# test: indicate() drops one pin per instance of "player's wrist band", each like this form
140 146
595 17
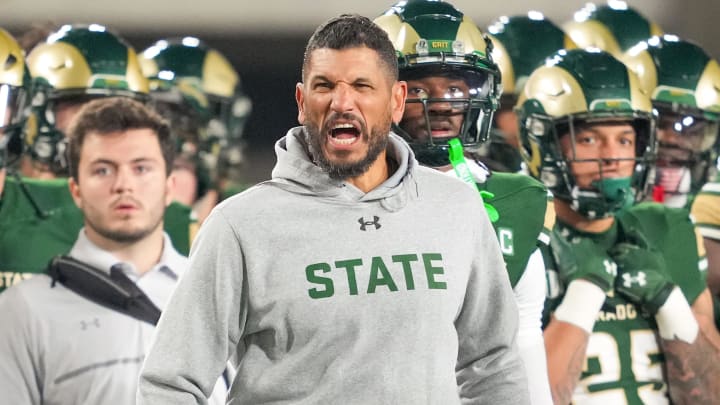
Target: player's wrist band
675 318
581 304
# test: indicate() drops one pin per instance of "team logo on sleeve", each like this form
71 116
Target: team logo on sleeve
505 237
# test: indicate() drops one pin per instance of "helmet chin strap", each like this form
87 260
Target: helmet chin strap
616 190
609 196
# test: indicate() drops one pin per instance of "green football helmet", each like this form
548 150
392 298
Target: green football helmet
14 82
200 92
75 64
574 89
614 27
435 40
520 44
683 82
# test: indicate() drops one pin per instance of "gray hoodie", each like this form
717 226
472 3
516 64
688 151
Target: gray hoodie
329 295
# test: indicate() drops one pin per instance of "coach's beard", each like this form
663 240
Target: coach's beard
377 143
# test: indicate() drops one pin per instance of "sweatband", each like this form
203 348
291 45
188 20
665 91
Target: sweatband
676 320
581 304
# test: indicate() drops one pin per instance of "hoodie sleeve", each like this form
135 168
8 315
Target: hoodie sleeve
202 323
20 334
489 368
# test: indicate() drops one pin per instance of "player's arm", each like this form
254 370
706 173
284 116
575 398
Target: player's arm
687 335
565 345
706 215
693 369
568 332
712 251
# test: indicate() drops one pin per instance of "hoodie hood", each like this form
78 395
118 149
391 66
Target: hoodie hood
297 173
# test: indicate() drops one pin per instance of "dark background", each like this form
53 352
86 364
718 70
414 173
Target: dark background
269 73
265 40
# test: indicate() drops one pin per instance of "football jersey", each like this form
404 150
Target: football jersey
706 210
524 219
623 362
39 220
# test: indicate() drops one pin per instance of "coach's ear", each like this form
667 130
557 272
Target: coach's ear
397 102
300 99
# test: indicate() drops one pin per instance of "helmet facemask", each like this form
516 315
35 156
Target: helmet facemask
454 83
607 194
185 121
687 139
446 101
75 64
48 145
207 86
12 115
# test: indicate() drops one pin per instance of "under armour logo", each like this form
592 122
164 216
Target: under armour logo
84 325
364 223
640 279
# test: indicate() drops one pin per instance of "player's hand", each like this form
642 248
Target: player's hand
579 258
642 275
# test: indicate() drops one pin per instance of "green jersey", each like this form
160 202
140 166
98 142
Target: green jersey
706 210
522 203
34 230
39 220
623 362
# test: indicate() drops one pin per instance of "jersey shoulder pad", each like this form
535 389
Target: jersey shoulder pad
21 195
181 225
655 217
515 185
706 210
671 231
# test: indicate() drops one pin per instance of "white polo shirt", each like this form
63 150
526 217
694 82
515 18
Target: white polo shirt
57 347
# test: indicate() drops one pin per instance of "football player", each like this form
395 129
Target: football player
67 70
683 82
631 317
453 90
75 64
613 27
706 212
14 83
520 44
199 91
